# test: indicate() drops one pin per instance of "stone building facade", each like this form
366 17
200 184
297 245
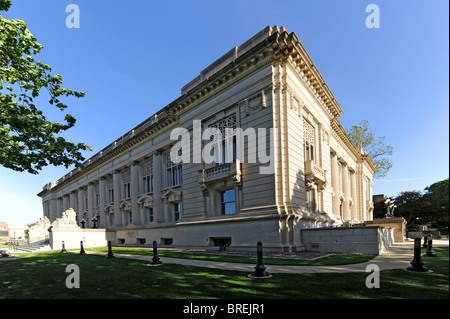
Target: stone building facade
303 172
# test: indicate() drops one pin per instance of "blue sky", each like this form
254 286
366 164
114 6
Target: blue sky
132 58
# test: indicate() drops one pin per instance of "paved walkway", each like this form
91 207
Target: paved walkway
398 256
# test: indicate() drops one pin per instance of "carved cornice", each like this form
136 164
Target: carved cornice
288 49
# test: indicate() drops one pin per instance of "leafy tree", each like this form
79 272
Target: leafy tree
363 135
410 205
28 141
431 206
437 198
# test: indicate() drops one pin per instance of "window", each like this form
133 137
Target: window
147 177
126 190
308 140
97 199
228 202
110 189
111 195
174 172
149 215
227 144
110 219
310 200
129 218
177 211
126 178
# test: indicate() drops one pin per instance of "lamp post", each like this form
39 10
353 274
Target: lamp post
94 220
155 259
63 250
430 251
82 223
110 253
260 269
416 263
425 241
82 252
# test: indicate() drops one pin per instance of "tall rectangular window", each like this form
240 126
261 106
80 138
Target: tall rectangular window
308 140
126 179
126 190
177 211
173 172
227 142
110 190
147 177
111 195
228 202
310 200
149 215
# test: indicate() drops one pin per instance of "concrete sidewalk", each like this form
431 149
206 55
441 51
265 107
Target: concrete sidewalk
398 256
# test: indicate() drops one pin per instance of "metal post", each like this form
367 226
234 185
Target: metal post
430 251
82 252
416 263
155 259
110 253
425 241
63 250
260 269
94 220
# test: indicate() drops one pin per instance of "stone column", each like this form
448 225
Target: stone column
117 211
102 192
335 184
80 204
90 204
134 188
72 199
158 212
65 205
346 191
354 209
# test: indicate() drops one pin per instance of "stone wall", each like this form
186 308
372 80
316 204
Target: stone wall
397 223
372 240
72 237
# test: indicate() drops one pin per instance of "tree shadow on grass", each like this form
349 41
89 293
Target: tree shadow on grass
43 275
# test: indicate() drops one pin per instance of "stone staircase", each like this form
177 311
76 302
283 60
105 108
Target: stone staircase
43 245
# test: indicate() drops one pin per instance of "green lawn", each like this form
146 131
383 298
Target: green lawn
337 259
42 275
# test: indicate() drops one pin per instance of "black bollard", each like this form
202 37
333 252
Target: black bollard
260 269
63 250
110 253
155 259
425 241
430 251
416 263
82 252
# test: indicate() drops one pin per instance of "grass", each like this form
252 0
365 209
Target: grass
336 259
43 275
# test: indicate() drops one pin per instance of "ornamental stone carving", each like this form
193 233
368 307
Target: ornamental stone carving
146 201
172 195
67 221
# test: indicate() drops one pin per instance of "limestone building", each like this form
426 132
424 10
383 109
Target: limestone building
304 173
